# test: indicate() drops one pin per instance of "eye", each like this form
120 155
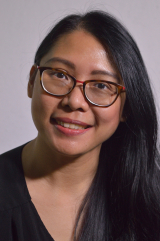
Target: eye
101 86
59 75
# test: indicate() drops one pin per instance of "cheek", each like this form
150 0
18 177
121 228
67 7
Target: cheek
108 119
42 108
111 114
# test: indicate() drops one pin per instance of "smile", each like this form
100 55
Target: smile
71 126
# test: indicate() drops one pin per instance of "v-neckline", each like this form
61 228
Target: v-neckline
49 237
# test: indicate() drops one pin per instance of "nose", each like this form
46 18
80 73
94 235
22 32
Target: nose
76 99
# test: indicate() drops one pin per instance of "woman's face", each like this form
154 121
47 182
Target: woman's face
60 121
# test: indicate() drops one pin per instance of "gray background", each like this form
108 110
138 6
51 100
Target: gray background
23 24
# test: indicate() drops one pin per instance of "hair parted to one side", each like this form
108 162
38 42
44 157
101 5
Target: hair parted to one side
123 202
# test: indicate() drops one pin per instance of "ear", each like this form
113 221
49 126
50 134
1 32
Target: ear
123 118
125 114
32 76
124 108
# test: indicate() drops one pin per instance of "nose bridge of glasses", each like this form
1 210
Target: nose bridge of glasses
78 81
79 84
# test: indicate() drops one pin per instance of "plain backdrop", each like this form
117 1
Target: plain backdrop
23 24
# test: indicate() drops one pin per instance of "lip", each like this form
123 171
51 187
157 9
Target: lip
68 120
68 131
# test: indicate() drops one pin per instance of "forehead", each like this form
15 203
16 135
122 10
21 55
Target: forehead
78 42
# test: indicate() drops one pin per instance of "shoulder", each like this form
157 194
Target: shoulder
10 164
13 189
11 156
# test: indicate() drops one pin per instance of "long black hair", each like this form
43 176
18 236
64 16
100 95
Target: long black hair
123 202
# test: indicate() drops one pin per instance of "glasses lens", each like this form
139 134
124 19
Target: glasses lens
101 92
56 82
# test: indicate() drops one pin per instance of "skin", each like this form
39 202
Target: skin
60 167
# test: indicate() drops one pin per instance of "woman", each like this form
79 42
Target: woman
91 173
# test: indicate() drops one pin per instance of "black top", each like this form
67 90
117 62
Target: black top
19 220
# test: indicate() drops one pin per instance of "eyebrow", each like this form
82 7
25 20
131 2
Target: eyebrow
63 61
104 72
72 66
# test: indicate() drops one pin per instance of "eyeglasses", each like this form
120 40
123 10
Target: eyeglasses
98 92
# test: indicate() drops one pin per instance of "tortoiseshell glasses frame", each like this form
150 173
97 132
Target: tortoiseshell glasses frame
100 93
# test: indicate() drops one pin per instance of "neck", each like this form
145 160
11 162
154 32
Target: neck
72 173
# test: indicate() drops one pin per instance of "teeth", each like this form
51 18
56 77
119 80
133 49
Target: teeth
70 126
66 125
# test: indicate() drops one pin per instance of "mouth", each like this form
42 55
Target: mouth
71 126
